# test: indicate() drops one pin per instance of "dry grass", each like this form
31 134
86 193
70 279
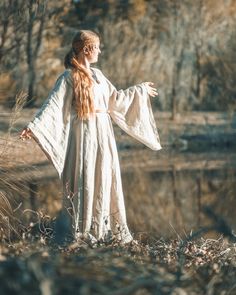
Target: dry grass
10 225
20 101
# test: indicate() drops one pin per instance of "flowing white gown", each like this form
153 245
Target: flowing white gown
84 152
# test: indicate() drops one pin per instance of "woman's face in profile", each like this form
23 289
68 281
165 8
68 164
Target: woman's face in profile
92 55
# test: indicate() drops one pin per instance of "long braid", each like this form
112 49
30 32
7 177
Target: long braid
83 90
82 79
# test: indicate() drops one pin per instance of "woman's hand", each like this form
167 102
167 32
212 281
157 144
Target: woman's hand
152 91
26 134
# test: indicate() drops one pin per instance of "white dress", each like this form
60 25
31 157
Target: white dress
84 152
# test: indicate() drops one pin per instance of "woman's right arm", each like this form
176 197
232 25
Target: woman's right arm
54 100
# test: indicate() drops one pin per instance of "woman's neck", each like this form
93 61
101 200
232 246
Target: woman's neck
83 62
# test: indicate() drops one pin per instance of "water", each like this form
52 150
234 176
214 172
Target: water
167 196
165 192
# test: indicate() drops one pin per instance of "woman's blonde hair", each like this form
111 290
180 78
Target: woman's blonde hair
82 79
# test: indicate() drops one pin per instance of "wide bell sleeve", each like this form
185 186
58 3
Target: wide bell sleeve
131 110
51 124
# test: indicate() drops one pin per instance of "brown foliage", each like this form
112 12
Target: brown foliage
185 47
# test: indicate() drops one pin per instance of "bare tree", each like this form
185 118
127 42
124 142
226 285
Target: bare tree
22 24
179 38
7 14
36 22
198 48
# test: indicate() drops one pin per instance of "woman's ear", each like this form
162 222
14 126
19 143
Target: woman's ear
85 49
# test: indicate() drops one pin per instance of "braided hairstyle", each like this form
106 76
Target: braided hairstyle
82 79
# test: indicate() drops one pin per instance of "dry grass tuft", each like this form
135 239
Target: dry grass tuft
10 225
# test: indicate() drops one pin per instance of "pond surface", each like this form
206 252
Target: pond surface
167 196
165 191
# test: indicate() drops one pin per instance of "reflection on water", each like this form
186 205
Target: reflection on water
164 191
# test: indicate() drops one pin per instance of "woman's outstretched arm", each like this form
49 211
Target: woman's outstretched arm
131 110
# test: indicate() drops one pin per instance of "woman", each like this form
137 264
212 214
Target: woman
74 129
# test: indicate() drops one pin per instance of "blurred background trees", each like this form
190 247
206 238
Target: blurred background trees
185 47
